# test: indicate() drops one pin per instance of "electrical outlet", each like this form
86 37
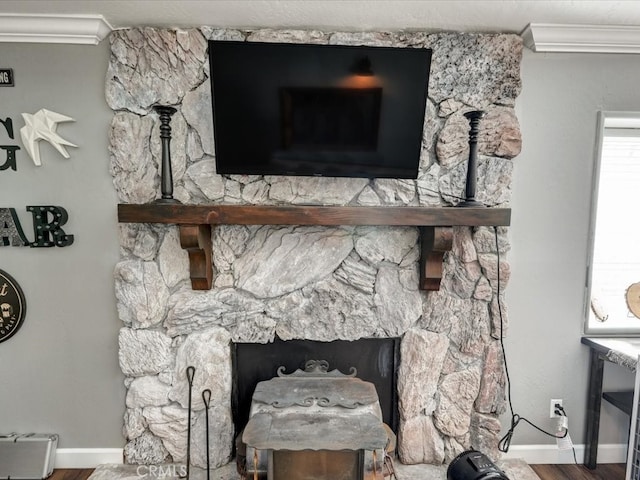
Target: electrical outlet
552 407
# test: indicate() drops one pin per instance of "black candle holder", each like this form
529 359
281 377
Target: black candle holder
166 177
472 166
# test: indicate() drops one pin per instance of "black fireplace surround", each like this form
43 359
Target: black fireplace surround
376 360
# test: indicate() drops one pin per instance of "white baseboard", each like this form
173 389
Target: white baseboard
532 454
86 457
536 454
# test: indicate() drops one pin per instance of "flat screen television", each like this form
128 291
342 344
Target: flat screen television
318 110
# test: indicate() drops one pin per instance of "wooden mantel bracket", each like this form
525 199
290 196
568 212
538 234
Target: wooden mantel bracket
196 240
434 243
436 227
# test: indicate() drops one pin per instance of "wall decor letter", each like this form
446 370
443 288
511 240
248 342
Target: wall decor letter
10 149
10 229
10 162
47 221
8 126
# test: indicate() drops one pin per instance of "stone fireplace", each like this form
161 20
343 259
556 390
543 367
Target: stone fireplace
310 283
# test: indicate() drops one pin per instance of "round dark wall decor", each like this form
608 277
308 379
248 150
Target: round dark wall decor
13 306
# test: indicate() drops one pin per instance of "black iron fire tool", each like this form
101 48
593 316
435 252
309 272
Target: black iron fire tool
206 398
190 373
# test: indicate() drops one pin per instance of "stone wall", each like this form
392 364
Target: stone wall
319 283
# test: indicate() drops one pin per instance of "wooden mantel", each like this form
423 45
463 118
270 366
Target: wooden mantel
436 227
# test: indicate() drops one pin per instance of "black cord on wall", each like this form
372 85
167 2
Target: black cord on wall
505 442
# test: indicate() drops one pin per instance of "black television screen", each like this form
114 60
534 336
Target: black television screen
318 110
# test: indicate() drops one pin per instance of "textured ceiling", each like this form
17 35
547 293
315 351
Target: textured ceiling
428 15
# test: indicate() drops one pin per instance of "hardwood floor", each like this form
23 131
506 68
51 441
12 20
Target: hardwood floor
71 474
545 472
579 472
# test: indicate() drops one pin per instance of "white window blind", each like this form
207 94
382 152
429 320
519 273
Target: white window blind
616 248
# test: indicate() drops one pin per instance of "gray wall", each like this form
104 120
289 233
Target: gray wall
561 96
60 372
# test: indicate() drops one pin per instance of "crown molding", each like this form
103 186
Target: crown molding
548 37
76 29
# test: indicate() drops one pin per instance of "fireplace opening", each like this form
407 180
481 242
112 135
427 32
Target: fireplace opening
315 424
341 465
375 359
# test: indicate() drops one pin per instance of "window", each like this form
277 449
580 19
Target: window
614 264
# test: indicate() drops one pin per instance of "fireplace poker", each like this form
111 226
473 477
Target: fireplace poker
206 398
190 373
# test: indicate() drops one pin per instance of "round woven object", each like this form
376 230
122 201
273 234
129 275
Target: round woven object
633 298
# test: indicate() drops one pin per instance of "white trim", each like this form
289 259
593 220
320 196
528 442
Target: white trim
87 457
532 454
550 454
548 37
621 119
77 29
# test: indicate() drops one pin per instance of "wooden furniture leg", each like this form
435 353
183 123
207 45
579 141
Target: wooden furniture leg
594 401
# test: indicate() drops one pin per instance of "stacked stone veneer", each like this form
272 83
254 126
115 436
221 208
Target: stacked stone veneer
319 283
